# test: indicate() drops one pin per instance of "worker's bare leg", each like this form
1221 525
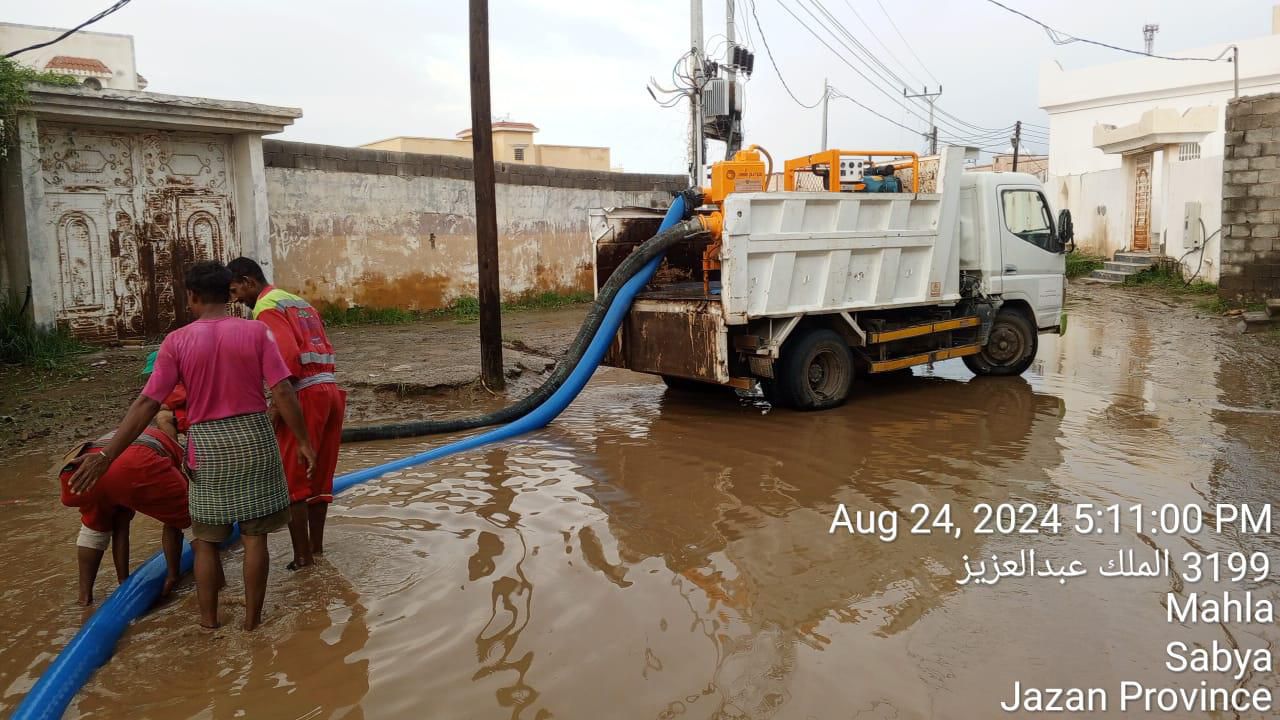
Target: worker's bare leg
120 545
256 558
316 513
208 581
298 534
171 543
88 560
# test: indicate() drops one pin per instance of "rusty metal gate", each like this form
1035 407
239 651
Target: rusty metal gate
128 212
1142 202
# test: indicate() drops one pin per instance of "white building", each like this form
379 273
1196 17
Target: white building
1134 145
99 60
108 192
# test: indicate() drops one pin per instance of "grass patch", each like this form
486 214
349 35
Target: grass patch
1167 276
1082 263
335 316
464 309
24 343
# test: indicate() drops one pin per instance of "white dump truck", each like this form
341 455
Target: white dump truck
799 291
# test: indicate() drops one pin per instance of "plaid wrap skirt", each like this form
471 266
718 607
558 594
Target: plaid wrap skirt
237 473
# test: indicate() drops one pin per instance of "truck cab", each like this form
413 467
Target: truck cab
793 292
1009 235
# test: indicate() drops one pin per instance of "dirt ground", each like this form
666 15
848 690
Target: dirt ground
391 372
395 372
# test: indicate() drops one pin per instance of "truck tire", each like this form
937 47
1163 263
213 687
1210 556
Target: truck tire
1010 348
814 372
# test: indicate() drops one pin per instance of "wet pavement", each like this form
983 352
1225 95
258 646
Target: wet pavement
658 555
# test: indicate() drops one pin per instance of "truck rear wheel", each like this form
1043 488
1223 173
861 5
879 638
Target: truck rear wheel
814 372
1010 348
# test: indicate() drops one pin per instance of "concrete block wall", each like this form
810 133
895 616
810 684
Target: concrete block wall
379 228
1251 199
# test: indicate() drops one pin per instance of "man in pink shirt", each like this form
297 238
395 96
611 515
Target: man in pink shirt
237 475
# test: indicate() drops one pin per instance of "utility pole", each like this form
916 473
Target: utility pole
931 98
695 71
731 147
1149 37
486 201
826 97
1017 140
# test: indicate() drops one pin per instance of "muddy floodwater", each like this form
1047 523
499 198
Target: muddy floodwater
662 555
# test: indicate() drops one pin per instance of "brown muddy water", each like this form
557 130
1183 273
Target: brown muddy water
656 555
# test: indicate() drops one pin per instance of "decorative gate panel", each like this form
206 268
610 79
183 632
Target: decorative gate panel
130 212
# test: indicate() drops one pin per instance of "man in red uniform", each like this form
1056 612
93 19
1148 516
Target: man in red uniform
299 333
146 478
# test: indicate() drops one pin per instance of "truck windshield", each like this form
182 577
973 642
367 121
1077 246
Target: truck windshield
1026 215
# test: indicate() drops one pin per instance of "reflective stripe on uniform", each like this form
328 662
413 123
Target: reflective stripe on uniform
311 358
317 379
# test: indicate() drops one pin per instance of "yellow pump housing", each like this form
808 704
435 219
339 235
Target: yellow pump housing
744 173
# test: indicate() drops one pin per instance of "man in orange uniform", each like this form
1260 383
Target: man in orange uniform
299 333
146 478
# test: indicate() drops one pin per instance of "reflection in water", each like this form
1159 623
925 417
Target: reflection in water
511 603
683 563
761 504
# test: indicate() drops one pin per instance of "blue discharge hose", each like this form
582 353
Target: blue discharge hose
93 645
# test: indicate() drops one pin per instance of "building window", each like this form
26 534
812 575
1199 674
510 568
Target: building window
1189 151
519 154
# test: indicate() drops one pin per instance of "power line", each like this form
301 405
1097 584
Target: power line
873 57
886 118
841 57
907 44
955 123
1061 38
883 44
769 52
72 31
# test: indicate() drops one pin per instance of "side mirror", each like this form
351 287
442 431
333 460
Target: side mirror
1066 232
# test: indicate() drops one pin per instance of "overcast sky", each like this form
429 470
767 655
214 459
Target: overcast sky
364 71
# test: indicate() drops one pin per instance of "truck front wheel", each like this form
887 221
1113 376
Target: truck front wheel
1010 347
814 372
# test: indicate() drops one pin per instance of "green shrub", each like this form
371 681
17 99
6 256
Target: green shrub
1167 275
337 316
23 343
1081 263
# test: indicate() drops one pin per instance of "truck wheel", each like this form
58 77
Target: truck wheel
680 384
1010 347
815 371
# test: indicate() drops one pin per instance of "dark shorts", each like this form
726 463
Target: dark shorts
257 526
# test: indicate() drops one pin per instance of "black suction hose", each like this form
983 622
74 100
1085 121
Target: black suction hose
645 252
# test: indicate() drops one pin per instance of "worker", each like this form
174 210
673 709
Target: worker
299 333
237 475
146 478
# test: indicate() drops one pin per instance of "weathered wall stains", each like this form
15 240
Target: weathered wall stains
384 229
126 213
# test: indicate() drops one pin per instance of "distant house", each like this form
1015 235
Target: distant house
512 143
99 60
1136 148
